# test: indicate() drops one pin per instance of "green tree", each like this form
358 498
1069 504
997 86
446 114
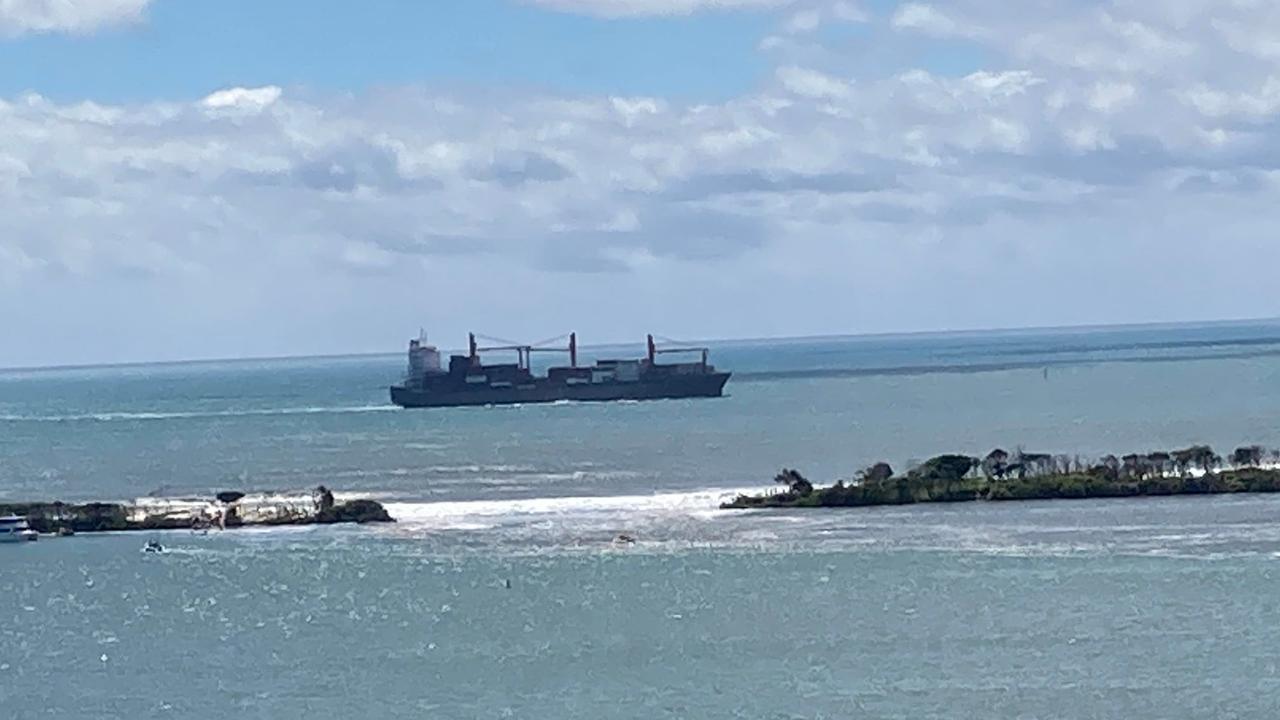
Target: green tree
948 468
796 483
876 474
1247 456
323 499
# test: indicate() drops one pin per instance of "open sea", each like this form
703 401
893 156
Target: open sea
499 594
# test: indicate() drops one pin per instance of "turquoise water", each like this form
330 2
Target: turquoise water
499 595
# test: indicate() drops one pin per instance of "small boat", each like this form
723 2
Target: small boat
623 540
153 546
14 529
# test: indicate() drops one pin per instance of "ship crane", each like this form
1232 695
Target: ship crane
655 351
524 352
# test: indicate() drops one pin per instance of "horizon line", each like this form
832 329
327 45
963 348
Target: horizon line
776 338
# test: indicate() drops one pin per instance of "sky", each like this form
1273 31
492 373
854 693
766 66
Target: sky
242 178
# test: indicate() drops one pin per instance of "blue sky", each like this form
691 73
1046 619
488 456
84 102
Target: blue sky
186 49
184 179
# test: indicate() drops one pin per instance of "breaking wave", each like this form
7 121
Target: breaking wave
476 514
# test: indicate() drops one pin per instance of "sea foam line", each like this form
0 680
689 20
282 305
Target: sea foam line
117 416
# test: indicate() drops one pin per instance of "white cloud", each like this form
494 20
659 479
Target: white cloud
927 19
809 15
1003 84
1260 102
242 98
847 11
804 21
811 83
73 16
1109 96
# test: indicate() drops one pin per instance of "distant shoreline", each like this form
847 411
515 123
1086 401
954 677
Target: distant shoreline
1005 477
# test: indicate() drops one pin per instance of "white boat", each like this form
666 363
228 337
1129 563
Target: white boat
14 528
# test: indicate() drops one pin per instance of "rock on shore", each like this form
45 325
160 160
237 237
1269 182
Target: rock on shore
67 518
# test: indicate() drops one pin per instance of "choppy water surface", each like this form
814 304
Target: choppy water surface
499 594
1143 609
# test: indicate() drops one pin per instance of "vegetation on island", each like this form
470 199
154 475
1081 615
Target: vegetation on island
1021 475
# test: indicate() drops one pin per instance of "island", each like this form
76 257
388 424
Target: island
225 510
1020 475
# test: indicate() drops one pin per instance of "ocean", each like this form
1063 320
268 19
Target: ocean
498 594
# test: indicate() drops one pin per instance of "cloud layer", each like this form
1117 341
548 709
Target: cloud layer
1108 161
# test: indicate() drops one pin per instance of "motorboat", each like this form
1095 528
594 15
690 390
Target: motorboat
14 529
153 546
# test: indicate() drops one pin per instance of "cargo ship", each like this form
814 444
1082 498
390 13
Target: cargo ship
469 381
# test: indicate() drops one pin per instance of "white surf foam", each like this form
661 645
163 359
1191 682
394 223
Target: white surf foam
703 503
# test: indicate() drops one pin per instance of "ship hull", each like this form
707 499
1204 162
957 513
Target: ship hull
688 386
